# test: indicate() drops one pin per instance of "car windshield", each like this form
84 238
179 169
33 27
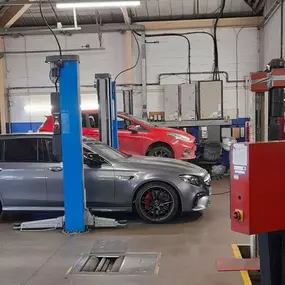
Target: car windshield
141 121
104 150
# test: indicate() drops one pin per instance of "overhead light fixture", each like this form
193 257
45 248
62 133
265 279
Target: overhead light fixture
105 4
46 109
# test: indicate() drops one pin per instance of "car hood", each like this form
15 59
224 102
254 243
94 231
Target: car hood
174 131
166 164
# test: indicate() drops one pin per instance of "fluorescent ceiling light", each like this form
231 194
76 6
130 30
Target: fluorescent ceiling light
37 108
106 4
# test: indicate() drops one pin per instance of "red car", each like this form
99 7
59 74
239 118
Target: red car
138 137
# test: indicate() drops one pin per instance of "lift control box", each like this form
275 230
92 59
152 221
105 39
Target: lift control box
257 187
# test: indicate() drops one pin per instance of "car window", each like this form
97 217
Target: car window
93 120
46 150
123 124
21 150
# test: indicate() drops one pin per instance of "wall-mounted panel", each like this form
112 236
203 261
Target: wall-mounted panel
210 99
171 102
188 101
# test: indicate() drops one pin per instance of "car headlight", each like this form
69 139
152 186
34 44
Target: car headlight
179 137
194 180
207 179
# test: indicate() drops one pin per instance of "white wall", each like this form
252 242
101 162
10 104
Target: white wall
31 70
169 55
270 35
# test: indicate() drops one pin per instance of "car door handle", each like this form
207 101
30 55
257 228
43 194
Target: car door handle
1 169
55 168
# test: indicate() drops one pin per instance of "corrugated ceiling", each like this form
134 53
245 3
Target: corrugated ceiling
150 10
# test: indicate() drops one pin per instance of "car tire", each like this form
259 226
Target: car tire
168 191
161 151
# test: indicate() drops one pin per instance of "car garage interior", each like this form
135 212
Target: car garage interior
141 142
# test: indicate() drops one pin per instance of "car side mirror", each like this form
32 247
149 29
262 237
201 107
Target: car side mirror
92 159
133 129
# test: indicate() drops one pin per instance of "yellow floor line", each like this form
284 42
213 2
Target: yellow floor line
244 274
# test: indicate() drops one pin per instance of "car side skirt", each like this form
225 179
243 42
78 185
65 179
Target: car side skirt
55 209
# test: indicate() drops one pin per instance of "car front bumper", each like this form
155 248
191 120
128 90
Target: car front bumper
194 198
184 150
202 204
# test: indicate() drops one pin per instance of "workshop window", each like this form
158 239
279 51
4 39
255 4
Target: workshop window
21 150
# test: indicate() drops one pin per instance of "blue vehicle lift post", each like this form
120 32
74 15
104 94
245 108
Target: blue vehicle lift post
67 146
71 142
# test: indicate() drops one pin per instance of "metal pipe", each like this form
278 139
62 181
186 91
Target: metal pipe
237 61
188 43
134 84
82 86
199 73
75 18
253 246
51 51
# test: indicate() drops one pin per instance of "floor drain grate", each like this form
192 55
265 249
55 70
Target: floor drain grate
102 264
129 263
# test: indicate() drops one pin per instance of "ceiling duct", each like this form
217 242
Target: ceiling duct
256 5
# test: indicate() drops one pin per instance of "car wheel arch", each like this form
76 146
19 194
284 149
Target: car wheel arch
136 190
157 144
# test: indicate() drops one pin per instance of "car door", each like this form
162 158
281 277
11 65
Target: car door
99 182
130 142
22 175
100 185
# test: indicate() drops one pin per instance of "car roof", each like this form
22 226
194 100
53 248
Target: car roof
28 135
92 111
96 111
41 135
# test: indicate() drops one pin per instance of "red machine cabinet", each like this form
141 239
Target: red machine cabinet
258 187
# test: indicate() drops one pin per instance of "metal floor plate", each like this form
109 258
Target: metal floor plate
132 263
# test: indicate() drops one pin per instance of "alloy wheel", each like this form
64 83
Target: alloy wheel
156 204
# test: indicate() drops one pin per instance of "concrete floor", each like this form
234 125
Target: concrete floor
189 249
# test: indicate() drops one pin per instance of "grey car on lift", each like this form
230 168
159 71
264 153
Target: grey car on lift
156 188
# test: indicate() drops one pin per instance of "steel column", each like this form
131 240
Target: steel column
144 77
3 102
71 138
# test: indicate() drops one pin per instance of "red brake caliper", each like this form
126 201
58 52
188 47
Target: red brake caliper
147 201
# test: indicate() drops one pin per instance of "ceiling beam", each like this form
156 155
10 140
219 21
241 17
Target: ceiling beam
14 13
202 24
